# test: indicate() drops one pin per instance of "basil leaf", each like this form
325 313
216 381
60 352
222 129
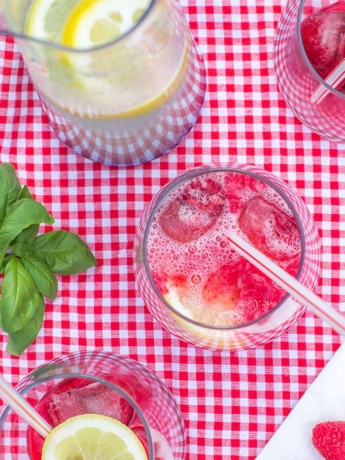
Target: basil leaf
20 340
64 252
44 278
28 234
9 188
21 249
25 193
19 297
24 213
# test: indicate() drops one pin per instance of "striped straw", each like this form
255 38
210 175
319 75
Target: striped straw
333 80
289 283
20 405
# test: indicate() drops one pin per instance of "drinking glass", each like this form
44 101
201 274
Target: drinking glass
297 78
96 382
125 102
177 320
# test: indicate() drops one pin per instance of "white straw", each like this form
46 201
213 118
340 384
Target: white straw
23 408
289 283
333 80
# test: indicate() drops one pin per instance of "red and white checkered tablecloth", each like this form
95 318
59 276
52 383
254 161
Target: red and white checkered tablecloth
231 402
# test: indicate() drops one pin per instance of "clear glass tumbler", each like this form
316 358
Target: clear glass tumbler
102 383
196 267
300 83
123 102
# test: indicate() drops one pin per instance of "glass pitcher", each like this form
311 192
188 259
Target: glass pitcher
124 102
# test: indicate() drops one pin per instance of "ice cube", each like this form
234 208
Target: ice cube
194 211
93 398
323 36
270 230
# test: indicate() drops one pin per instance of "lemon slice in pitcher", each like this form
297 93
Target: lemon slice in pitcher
46 19
94 22
92 437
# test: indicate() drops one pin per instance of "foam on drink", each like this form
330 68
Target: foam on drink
192 263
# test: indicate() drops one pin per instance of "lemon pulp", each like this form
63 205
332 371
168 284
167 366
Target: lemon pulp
92 437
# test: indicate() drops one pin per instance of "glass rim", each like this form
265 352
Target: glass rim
63 359
305 57
206 169
57 46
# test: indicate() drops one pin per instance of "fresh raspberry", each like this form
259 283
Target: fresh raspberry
329 439
222 286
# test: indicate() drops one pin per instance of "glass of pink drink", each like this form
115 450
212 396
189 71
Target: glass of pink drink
97 383
195 284
308 46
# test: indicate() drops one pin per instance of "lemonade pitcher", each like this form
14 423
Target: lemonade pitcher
121 81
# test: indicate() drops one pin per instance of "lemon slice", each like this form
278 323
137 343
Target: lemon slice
46 19
204 336
94 22
173 299
92 437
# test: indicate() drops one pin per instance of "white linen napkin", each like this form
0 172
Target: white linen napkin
323 400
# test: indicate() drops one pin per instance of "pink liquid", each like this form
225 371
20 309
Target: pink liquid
189 254
323 36
75 397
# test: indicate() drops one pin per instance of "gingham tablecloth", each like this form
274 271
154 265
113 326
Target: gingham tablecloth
232 403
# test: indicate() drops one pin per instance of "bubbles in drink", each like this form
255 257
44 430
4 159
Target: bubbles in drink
210 282
196 279
192 249
323 37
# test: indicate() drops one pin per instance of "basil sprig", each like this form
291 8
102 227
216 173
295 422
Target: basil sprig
29 262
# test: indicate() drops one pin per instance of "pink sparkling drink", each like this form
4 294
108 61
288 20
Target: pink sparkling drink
323 36
96 383
308 45
77 396
194 283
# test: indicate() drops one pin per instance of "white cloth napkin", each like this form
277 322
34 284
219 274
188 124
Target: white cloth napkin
323 400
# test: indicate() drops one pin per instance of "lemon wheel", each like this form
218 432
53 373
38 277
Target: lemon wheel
83 23
92 437
94 22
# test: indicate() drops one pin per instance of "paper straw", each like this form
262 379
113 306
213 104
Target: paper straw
333 79
23 408
289 283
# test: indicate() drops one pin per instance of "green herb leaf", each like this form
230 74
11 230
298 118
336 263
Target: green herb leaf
28 261
25 193
28 234
24 213
20 340
19 297
9 188
44 278
64 252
